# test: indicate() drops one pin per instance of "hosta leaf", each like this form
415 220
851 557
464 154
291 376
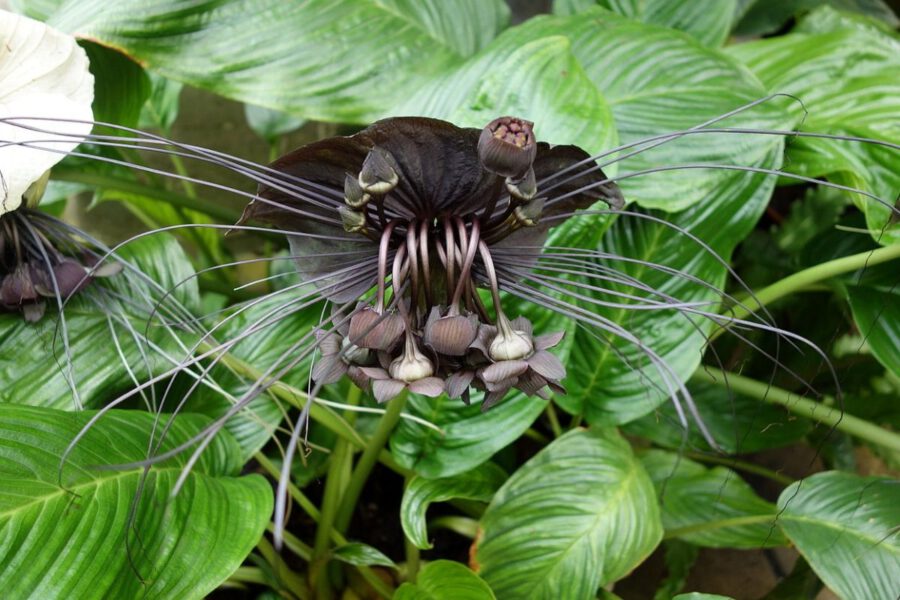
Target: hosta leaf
445 580
70 541
345 60
699 503
120 87
518 76
478 484
707 20
356 553
578 515
613 381
468 436
846 528
767 16
738 423
877 316
270 124
847 81
103 350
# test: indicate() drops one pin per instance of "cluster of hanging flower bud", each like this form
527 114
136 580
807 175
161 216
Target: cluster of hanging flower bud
430 201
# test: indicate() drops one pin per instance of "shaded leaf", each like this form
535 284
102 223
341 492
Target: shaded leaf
120 87
580 514
71 541
270 124
359 554
680 559
478 484
846 528
445 580
877 316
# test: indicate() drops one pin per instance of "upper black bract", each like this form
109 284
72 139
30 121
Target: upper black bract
413 207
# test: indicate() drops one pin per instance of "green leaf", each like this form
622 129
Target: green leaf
538 79
767 16
877 316
468 436
612 381
120 87
103 350
699 503
71 542
580 514
848 84
343 60
707 20
738 423
701 596
445 580
478 484
36 9
270 124
161 109
359 554
846 528
680 559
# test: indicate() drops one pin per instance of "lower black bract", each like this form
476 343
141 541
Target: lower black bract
421 204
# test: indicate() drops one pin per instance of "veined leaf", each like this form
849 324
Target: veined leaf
580 514
445 580
877 315
76 540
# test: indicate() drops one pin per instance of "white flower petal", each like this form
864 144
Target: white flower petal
44 74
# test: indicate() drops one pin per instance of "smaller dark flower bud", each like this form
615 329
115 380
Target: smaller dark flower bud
529 213
375 331
378 175
507 147
450 335
354 195
354 221
523 189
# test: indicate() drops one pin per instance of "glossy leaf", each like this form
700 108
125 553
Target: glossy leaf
76 541
478 484
707 20
738 423
359 554
580 514
120 86
700 596
680 559
846 528
877 316
468 436
612 381
344 60
270 124
445 580
702 501
848 84
767 16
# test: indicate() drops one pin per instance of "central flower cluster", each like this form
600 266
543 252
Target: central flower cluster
396 225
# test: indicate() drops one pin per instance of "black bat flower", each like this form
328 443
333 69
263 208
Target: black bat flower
416 207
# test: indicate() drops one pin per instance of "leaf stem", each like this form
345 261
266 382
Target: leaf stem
812 275
817 411
412 553
741 465
554 420
339 462
367 461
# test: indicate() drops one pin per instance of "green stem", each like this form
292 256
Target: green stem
464 526
305 503
412 554
368 459
318 572
109 182
248 575
554 420
741 465
733 522
812 275
817 411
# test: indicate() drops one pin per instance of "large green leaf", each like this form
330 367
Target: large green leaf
707 20
846 528
699 504
445 580
580 514
345 60
767 16
877 315
847 80
103 350
76 540
478 484
613 381
120 87
738 423
468 436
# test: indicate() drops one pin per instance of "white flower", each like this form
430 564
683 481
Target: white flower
43 74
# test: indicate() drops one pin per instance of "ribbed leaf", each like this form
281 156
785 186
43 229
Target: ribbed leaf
847 80
75 540
846 528
356 553
580 514
707 20
120 86
613 381
445 580
877 316
345 60
468 436
703 502
478 484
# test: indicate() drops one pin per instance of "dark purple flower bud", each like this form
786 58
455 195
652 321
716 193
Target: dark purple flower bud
450 335
529 213
523 189
378 175
353 221
507 147
370 329
354 195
